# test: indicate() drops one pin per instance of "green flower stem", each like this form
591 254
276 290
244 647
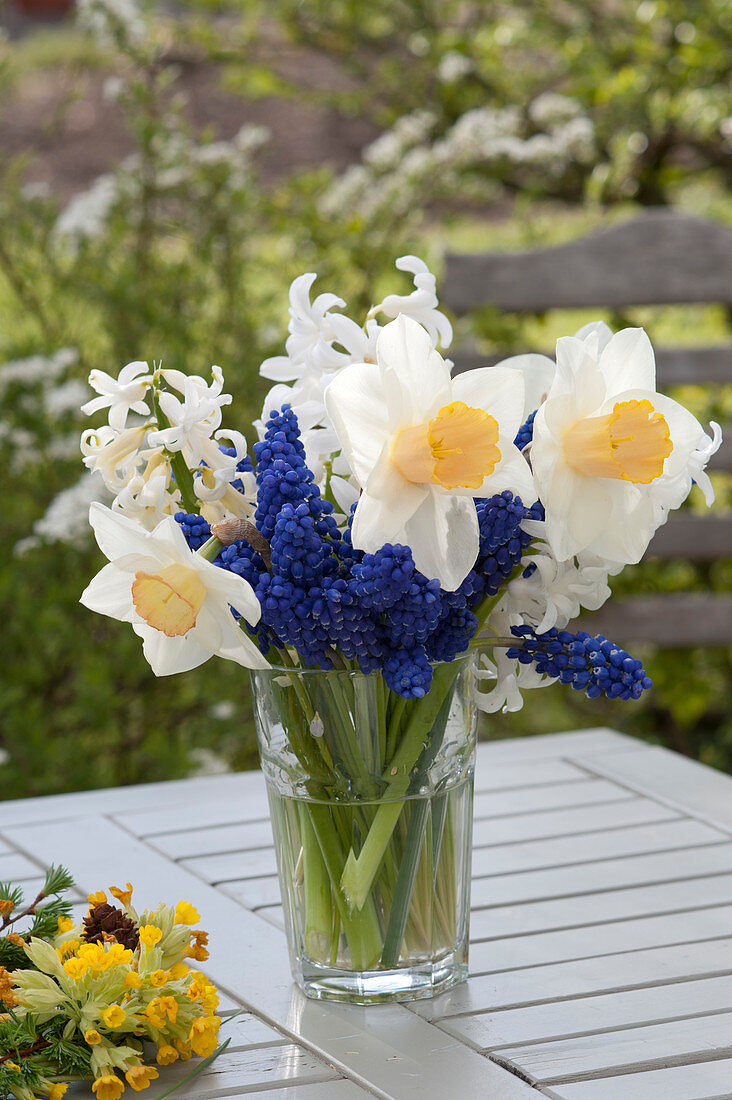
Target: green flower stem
210 549
318 908
420 809
362 931
181 473
359 872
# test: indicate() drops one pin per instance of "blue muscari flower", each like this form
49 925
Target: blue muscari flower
502 542
195 529
408 672
354 631
298 550
525 433
594 665
414 616
454 632
384 577
288 610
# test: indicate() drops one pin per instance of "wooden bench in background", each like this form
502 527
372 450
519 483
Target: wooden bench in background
661 257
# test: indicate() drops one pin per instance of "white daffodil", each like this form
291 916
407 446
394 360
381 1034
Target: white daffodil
606 447
176 601
120 395
422 445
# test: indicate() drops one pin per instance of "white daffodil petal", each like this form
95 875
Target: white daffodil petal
597 329
513 473
167 656
232 588
116 534
384 507
538 373
236 645
355 403
573 360
110 593
416 379
444 536
497 390
627 362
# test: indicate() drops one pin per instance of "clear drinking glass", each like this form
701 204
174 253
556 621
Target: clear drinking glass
371 805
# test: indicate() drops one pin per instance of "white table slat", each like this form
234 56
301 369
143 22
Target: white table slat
217 839
584 792
584 1015
604 875
17 868
529 773
572 822
493 956
570 746
231 866
580 910
654 1046
566 851
703 1081
581 977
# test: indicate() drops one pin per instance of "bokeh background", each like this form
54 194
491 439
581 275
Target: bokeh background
165 171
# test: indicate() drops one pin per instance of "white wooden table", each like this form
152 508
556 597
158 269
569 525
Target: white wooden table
601 954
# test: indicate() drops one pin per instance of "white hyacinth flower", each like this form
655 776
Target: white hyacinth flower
194 419
120 395
176 601
422 445
607 447
421 304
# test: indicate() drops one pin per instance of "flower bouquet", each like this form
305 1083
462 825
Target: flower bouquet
405 548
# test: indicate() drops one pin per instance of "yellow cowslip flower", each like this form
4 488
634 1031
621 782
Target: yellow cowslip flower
94 955
166 1055
185 913
169 1006
75 968
64 924
150 935
183 1048
108 1087
133 980
118 955
155 1014
67 948
92 1037
141 1076
99 898
179 970
158 978
202 1035
125 896
114 1016
57 1090
197 949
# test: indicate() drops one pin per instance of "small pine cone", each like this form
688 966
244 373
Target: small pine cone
104 921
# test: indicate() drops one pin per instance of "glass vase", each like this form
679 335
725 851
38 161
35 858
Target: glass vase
371 800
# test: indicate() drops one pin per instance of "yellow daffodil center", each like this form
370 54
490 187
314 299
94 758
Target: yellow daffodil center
632 442
169 600
456 449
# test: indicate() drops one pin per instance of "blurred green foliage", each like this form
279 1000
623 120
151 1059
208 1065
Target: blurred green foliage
183 254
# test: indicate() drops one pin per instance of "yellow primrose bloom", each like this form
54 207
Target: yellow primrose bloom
150 935
155 1014
141 1076
185 913
183 1048
75 968
158 978
179 970
197 949
124 896
56 1091
114 1016
108 1087
169 1006
133 980
118 955
98 899
166 1055
65 924
94 955
92 1037
67 948
202 1035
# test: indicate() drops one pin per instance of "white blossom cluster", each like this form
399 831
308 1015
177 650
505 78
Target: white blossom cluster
321 341
112 22
34 390
181 163
134 455
549 139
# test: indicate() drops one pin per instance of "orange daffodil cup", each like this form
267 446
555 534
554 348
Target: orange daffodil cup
422 445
